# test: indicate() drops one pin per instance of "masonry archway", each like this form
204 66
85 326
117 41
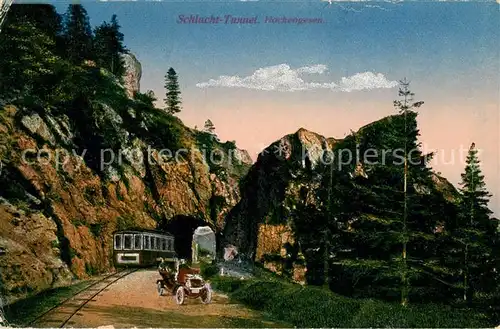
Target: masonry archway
183 227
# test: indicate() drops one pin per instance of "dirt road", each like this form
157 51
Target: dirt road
134 302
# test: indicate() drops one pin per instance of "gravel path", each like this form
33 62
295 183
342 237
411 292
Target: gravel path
134 302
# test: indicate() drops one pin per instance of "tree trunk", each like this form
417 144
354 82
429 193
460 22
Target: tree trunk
326 261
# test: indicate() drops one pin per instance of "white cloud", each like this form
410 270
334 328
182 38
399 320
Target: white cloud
366 80
283 78
320 68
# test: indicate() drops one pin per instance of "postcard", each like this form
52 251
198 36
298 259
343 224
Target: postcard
252 163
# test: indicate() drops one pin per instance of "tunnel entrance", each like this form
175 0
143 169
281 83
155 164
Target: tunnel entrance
183 227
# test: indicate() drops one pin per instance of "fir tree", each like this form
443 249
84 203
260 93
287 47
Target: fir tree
28 69
43 16
77 34
173 99
108 47
209 127
386 220
476 232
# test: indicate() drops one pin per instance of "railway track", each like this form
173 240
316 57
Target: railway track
63 312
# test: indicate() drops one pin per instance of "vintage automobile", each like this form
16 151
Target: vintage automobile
183 282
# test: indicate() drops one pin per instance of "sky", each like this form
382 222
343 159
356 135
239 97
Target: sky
259 82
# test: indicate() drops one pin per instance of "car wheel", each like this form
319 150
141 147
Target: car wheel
180 295
160 288
206 295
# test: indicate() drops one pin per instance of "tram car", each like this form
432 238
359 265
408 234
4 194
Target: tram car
142 248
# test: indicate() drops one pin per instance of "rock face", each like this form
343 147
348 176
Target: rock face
266 187
133 73
58 212
33 259
259 225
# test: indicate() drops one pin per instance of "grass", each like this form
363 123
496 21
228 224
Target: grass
24 311
306 306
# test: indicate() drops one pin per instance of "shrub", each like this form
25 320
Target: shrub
318 307
125 222
227 284
96 229
209 271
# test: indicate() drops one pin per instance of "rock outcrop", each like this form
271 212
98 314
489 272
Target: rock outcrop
260 225
60 200
267 185
133 74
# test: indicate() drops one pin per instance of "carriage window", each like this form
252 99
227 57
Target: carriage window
127 241
137 242
118 242
163 244
146 242
169 245
153 243
158 244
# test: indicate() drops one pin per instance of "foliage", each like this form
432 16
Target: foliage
90 269
28 63
164 131
96 229
204 252
23 311
367 235
471 243
125 222
43 16
209 127
107 47
173 99
208 270
77 34
147 98
315 307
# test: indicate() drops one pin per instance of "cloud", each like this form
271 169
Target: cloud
366 80
320 68
283 78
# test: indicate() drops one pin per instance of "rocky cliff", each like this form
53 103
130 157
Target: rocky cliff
260 225
62 194
133 74
269 182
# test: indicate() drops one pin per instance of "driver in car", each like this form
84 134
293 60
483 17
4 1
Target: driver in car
167 270
185 269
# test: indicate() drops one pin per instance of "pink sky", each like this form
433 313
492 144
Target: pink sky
256 119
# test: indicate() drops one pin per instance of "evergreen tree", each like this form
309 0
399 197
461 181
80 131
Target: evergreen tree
209 127
28 65
173 99
386 220
43 16
475 232
108 47
77 34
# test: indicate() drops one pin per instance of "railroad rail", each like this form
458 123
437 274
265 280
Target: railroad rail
60 314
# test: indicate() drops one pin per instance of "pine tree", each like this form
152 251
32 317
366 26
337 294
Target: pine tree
43 16
209 127
29 66
108 47
386 219
476 232
173 99
404 106
77 34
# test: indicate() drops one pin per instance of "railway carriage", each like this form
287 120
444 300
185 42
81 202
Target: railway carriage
138 248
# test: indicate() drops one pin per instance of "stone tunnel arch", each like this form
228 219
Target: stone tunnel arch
183 227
